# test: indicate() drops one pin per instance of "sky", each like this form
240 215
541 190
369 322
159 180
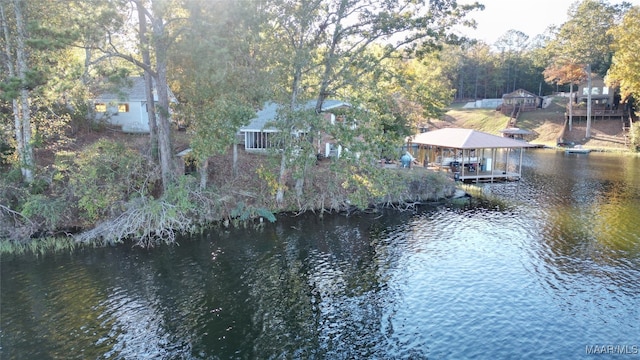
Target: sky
530 17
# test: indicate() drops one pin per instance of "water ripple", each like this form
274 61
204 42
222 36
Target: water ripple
548 267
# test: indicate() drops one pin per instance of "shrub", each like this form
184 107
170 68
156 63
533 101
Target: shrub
106 176
6 150
45 211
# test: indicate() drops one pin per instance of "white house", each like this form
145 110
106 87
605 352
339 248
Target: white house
127 106
258 136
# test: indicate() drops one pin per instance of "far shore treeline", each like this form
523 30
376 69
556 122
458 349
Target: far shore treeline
69 175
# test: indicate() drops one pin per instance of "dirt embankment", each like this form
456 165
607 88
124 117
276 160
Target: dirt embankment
604 134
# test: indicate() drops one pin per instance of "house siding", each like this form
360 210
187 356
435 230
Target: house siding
136 119
258 136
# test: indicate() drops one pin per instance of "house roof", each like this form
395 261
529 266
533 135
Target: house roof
270 110
516 131
457 138
520 93
132 89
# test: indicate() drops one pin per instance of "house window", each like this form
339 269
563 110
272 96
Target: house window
261 140
123 108
605 90
100 107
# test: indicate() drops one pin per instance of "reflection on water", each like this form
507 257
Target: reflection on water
551 273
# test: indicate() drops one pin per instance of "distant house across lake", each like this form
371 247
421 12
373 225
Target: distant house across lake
601 94
520 100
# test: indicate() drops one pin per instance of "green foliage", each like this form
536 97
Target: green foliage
183 208
364 187
6 151
64 162
106 175
585 38
625 67
38 186
39 247
215 123
180 194
44 210
243 212
218 82
269 178
371 185
9 88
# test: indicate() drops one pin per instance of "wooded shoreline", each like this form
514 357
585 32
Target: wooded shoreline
244 201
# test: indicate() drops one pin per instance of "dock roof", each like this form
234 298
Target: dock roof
457 138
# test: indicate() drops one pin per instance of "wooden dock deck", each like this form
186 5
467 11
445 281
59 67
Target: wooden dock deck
464 176
467 176
488 176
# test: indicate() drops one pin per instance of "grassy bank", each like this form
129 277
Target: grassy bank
40 247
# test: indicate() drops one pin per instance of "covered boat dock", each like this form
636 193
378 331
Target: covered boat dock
470 155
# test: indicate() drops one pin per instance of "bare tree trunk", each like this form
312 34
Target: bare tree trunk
570 105
281 179
204 173
300 182
167 161
588 132
27 161
18 128
148 81
27 150
12 73
235 159
475 86
283 160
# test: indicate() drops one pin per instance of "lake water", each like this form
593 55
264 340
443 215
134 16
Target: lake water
550 271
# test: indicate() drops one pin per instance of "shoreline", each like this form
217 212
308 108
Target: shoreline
432 188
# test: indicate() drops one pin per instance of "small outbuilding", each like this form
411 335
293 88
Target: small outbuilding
518 101
470 155
515 133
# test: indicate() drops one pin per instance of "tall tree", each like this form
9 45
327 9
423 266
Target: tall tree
164 19
36 63
155 13
145 54
322 46
512 45
217 76
17 84
625 66
585 40
565 72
